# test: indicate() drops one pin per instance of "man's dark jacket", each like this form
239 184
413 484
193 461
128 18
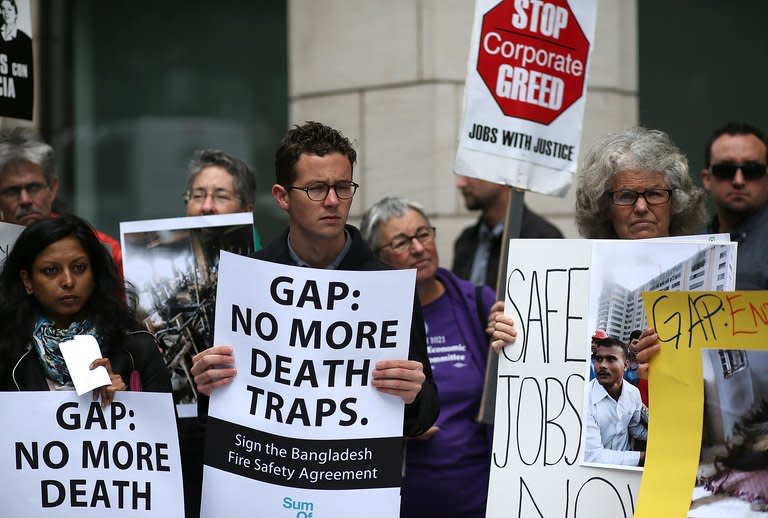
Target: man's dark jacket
531 226
422 413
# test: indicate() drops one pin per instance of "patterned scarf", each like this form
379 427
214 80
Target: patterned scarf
47 338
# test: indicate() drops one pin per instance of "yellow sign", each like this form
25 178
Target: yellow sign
687 323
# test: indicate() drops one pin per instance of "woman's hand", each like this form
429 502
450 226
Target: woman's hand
107 392
501 327
645 349
213 367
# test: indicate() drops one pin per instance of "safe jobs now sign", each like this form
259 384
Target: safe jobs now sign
525 92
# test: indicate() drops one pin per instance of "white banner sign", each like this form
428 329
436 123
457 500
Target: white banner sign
559 292
71 457
301 431
525 92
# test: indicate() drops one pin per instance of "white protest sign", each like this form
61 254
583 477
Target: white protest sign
559 291
72 457
301 429
525 92
17 64
79 353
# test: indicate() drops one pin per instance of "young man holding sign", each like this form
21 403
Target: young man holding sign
314 186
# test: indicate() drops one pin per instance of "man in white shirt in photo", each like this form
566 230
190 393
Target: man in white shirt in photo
614 411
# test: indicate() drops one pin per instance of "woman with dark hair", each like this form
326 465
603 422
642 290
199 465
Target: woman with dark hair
57 282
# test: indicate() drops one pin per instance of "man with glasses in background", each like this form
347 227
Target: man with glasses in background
29 183
735 176
313 173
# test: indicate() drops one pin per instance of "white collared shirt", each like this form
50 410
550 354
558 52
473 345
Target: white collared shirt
609 424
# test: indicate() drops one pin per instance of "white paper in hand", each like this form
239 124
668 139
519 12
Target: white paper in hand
78 354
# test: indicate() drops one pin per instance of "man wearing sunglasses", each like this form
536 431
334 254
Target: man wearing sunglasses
735 176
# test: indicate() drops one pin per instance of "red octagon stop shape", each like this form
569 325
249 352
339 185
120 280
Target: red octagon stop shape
533 58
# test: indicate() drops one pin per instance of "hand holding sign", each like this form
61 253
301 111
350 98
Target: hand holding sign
116 383
501 327
89 371
213 368
645 349
81 354
402 378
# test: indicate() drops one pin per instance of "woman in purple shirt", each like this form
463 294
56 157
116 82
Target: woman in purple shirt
447 468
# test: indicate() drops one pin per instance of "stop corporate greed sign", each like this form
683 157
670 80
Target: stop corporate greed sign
300 431
525 92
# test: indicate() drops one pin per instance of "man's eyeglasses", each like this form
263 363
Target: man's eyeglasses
220 197
401 243
32 189
727 170
319 191
629 197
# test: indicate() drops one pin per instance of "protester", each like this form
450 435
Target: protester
447 470
735 176
634 184
29 183
313 173
218 183
477 250
57 282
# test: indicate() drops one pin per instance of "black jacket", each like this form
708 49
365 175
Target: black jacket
137 352
531 226
422 413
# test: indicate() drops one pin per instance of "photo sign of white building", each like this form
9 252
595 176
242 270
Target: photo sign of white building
553 290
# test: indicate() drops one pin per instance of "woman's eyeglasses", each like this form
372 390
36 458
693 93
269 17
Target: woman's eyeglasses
629 197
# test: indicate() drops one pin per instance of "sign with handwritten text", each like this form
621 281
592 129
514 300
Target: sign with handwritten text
535 468
734 326
559 292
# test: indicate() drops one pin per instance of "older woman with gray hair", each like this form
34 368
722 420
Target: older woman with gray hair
446 472
635 184
218 183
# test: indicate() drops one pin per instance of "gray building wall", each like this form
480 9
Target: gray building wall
391 75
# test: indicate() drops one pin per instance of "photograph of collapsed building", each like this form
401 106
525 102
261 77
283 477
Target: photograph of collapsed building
732 479
174 272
